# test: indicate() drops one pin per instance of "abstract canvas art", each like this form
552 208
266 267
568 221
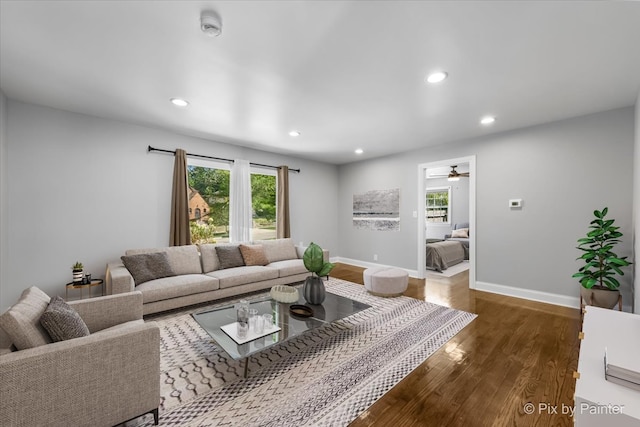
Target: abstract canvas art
377 210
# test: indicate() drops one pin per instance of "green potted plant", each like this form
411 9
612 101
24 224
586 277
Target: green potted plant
314 262
78 272
599 285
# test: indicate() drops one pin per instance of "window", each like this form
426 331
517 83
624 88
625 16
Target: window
438 205
263 201
210 181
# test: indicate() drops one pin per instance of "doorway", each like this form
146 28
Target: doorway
422 209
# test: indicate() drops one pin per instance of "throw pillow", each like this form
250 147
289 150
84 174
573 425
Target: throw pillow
21 322
62 322
209 257
253 255
146 267
461 232
229 256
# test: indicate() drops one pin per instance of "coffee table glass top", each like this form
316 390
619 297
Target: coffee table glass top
333 308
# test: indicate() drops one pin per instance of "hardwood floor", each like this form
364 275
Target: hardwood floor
515 352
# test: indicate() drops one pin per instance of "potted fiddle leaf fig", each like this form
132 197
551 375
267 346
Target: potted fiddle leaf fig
599 286
314 262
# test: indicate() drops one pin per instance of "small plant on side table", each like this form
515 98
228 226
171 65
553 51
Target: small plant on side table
78 272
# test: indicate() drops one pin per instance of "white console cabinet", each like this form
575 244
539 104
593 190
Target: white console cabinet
599 402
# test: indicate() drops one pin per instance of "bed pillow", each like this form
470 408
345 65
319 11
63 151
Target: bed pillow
62 322
461 232
146 267
229 256
253 255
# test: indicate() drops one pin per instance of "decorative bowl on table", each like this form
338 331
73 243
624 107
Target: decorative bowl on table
284 293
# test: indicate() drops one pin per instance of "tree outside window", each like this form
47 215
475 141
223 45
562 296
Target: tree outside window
213 185
438 205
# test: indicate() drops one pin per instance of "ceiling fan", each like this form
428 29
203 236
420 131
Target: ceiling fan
453 175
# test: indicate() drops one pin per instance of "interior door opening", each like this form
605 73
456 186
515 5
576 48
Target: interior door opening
447 201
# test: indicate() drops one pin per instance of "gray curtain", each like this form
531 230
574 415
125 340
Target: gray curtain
283 228
180 234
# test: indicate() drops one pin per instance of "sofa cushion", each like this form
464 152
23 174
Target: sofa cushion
21 322
253 255
289 267
209 257
176 286
278 249
62 322
229 256
182 259
145 267
243 275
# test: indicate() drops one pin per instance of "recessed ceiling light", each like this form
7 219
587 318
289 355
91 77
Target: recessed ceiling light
359 151
294 133
436 77
179 102
487 120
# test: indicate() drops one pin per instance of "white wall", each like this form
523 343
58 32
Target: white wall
562 171
3 183
83 188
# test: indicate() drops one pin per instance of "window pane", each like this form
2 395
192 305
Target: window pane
437 206
263 200
208 204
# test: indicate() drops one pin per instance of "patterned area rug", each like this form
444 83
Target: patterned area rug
326 377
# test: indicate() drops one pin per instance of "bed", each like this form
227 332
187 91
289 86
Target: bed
442 255
460 237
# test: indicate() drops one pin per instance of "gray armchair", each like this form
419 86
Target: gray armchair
104 379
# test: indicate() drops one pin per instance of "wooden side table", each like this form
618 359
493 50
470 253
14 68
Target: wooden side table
82 287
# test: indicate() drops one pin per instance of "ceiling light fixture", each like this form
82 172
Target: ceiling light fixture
179 102
210 23
294 133
454 175
359 151
487 120
436 77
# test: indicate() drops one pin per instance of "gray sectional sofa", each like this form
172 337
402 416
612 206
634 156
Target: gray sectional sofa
197 274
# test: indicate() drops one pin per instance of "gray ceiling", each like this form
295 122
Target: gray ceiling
347 75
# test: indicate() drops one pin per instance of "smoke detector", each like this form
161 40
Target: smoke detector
210 23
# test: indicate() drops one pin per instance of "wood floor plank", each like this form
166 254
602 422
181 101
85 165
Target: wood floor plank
515 352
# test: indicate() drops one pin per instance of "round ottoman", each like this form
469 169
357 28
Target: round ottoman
385 281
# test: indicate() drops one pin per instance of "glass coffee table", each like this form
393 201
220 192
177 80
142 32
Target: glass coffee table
333 308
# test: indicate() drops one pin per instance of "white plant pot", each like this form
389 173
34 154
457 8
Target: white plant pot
78 276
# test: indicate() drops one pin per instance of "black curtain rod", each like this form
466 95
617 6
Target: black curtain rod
150 149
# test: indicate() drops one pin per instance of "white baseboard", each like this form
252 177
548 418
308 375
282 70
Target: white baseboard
365 264
563 300
549 298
